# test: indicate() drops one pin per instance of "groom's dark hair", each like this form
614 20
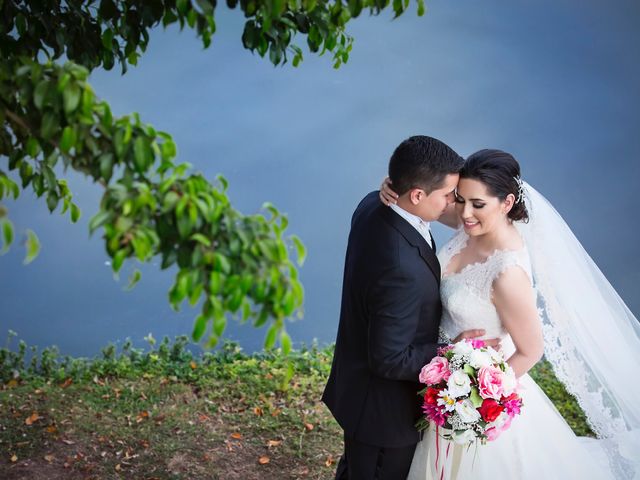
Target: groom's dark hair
422 162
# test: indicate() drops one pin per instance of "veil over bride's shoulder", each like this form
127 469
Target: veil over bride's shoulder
592 339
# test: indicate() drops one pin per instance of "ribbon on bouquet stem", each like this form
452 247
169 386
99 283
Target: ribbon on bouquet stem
457 457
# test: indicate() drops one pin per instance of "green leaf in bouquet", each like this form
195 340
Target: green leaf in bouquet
475 397
469 370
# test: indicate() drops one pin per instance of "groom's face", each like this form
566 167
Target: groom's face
430 207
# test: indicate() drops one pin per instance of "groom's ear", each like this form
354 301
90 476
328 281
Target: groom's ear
416 195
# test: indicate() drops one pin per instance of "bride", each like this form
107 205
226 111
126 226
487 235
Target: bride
515 269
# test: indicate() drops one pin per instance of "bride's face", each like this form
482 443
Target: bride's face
479 211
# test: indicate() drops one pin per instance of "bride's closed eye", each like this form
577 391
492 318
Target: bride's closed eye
461 201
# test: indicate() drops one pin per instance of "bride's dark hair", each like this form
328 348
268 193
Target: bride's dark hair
500 172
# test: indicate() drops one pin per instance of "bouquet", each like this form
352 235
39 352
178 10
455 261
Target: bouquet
471 392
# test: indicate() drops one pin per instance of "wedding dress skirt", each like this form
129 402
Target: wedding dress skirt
539 445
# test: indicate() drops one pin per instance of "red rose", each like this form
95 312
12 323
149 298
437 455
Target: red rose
490 410
431 396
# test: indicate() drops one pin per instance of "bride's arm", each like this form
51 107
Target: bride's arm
387 196
515 302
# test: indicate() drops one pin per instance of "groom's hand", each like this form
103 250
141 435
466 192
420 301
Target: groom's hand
489 342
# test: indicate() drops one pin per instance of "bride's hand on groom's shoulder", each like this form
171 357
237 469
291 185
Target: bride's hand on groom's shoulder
478 332
387 195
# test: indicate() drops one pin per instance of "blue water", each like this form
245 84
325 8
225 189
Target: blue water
552 82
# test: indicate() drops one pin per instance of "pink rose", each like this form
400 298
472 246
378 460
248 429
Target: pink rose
435 371
475 343
490 382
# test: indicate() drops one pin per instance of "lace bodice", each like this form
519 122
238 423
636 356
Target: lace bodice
466 295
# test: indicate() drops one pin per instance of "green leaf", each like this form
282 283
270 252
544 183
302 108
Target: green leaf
107 39
49 125
33 147
475 397
469 370
198 237
199 327
33 247
133 279
40 94
98 220
215 282
270 337
143 156
221 263
52 200
68 139
118 258
219 325
182 6
288 303
75 212
285 342
169 150
106 166
421 8
71 97
7 234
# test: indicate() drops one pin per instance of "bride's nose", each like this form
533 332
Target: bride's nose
467 210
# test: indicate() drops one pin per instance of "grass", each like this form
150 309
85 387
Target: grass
163 414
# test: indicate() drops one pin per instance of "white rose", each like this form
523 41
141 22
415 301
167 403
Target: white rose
467 412
459 384
495 355
464 438
462 348
509 381
479 359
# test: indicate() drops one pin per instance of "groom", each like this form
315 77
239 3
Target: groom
390 313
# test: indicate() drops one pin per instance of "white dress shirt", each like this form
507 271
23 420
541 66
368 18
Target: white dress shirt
416 222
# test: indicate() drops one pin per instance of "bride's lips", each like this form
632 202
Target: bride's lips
471 224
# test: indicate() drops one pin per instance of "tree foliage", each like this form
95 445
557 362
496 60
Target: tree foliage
51 120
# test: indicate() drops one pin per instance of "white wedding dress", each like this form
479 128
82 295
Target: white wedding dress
539 445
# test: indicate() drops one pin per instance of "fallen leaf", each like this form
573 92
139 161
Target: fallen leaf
14 458
193 365
236 435
52 429
273 443
258 411
276 412
263 460
34 417
66 383
68 442
49 458
308 426
141 416
118 468
12 383
330 461
203 418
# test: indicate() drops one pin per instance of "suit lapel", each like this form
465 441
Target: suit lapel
412 236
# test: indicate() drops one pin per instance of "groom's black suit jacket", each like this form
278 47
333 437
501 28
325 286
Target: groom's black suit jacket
388 329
